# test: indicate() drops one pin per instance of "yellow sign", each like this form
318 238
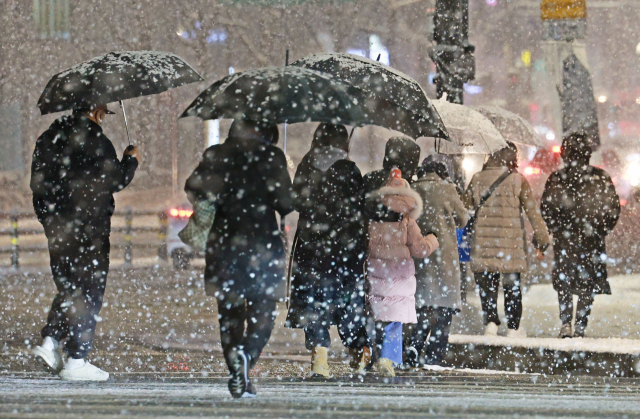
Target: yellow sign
563 9
525 56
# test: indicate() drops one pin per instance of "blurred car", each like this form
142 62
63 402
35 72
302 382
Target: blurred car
537 171
180 253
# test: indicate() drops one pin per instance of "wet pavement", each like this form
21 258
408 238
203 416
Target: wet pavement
440 395
158 337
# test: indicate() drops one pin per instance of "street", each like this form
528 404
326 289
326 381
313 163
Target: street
411 395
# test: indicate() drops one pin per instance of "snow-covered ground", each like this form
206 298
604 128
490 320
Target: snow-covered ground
613 316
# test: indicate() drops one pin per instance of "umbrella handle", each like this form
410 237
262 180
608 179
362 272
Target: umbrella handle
126 125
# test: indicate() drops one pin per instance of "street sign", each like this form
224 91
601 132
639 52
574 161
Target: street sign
563 9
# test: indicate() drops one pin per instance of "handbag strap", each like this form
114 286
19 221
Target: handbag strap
485 195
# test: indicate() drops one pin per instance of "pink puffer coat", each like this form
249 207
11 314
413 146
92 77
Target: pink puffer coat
392 246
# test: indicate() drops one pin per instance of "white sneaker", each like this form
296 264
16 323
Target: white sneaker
517 333
51 359
491 329
87 372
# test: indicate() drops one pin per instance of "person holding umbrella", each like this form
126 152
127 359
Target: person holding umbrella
74 174
580 207
438 295
328 259
247 178
498 196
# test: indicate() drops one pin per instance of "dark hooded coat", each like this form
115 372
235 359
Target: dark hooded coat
75 172
402 153
580 207
329 255
245 255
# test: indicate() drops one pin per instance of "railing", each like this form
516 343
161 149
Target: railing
16 231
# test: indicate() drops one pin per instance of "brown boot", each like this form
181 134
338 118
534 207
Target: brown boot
360 359
385 368
319 364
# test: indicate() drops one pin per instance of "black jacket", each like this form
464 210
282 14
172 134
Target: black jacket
75 171
245 253
580 207
331 241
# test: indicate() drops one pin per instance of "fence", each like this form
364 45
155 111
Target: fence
15 231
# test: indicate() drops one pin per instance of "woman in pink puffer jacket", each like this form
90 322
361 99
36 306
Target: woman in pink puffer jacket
391 281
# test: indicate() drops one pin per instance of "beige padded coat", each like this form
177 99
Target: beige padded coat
498 245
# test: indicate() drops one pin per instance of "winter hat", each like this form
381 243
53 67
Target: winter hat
575 147
395 179
431 165
330 135
402 153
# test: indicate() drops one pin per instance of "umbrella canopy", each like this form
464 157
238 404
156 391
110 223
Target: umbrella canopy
512 126
293 94
395 89
470 132
579 110
114 77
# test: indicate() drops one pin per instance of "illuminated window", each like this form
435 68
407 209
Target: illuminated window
51 18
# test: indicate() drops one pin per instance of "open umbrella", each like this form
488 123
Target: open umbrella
294 94
512 126
114 77
394 88
470 132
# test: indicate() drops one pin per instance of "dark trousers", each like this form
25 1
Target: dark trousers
259 315
435 323
489 284
585 303
79 258
351 323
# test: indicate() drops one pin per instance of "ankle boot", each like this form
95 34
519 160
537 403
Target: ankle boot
360 359
385 368
319 364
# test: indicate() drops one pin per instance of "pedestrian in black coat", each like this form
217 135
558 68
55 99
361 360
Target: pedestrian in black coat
580 207
74 174
247 178
328 283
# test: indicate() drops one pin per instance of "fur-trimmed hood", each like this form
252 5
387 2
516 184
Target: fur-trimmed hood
400 199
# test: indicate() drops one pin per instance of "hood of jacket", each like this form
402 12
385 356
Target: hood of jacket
402 200
325 157
402 153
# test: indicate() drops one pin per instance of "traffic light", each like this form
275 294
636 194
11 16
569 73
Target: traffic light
453 55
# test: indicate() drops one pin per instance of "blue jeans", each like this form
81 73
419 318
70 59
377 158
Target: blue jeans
387 337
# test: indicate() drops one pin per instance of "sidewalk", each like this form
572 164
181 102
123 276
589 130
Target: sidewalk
155 319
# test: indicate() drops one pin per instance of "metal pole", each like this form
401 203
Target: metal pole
15 249
126 125
128 252
283 228
162 235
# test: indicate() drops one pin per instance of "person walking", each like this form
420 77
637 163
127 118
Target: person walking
499 195
580 207
74 174
438 276
327 285
391 277
247 179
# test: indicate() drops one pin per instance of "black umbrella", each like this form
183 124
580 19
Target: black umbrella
579 111
114 77
278 94
394 90
294 94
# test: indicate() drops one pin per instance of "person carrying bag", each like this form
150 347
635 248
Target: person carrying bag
500 195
